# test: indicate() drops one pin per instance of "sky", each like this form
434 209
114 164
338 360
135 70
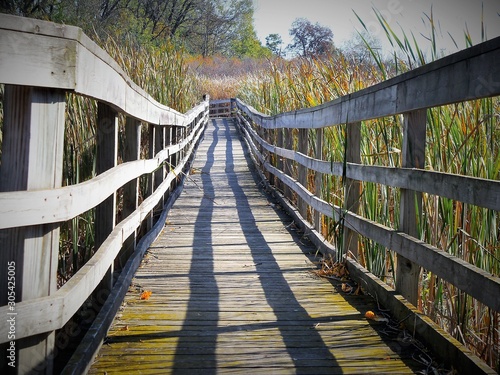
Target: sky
451 16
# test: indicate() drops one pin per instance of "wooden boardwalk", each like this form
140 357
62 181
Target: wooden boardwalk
232 290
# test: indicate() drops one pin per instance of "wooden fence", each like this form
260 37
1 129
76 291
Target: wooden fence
467 75
40 62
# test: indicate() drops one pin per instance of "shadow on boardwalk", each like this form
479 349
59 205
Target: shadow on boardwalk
232 291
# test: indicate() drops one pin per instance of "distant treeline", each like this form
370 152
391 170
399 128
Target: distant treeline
203 27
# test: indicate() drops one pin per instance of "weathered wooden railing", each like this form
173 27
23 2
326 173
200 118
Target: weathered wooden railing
39 63
467 75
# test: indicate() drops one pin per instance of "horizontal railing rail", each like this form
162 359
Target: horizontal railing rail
40 62
464 76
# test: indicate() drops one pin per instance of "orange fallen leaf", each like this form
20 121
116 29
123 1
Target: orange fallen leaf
369 315
124 328
146 294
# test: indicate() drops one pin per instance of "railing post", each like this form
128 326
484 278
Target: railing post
168 142
180 138
303 143
318 179
132 152
151 177
233 107
271 158
352 187
279 159
159 174
105 216
260 132
32 158
410 207
174 158
267 136
287 164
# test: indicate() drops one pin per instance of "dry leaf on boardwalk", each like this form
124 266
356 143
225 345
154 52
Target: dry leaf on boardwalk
146 294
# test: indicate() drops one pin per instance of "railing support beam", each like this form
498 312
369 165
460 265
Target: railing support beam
105 215
150 183
279 160
303 149
413 153
131 152
352 187
159 175
168 142
32 158
287 164
318 178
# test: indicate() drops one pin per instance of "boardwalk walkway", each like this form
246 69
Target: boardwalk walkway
232 290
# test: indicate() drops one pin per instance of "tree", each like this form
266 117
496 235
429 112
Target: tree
275 43
224 27
90 15
310 40
28 8
362 48
205 27
245 42
162 18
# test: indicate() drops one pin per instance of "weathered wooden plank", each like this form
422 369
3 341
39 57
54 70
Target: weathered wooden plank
465 276
24 57
475 191
287 167
159 174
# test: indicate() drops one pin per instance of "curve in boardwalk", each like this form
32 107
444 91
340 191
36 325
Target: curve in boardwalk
232 291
